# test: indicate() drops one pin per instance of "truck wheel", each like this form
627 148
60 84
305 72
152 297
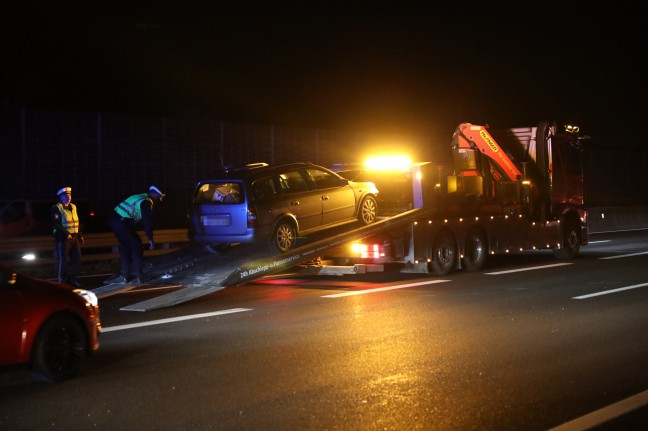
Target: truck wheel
571 240
444 253
476 250
60 348
284 237
368 209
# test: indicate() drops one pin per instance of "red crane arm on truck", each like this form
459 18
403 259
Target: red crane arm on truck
471 136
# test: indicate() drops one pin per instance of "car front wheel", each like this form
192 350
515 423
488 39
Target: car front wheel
60 348
368 210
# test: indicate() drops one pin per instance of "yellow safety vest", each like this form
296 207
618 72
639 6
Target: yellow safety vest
69 219
130 208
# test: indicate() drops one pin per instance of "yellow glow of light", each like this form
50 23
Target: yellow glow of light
367 250
388 163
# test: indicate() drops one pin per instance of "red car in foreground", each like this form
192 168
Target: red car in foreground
52 327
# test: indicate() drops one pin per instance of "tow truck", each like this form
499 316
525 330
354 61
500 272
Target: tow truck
513 190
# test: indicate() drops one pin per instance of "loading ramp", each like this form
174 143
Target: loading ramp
201 273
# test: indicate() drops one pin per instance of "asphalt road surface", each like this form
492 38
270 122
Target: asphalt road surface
529 343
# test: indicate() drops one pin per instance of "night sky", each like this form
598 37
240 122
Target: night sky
385 67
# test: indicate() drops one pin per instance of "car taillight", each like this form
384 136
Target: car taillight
251 217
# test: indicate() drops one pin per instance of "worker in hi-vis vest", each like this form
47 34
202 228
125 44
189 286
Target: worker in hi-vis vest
67 237
123 221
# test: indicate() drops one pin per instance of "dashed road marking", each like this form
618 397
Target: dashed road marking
607 292
173 319
529 268
381 289
623 255
605 414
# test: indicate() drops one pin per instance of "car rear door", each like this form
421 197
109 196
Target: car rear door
221 208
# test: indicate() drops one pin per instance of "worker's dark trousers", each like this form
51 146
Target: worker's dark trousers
68 252
130 245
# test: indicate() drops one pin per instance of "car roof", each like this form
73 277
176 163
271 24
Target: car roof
256 170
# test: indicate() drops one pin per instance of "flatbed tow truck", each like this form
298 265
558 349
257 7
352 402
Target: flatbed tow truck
513 190
523 191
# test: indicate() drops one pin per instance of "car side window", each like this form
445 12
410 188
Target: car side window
323 179
292 182
263 189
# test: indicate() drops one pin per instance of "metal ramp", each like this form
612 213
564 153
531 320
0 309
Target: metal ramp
206 273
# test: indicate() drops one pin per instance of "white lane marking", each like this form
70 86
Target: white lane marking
381 289
624 255
606 292
605 414
598 242
531 268
173 319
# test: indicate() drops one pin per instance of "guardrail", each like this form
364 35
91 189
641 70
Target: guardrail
96 247
614 219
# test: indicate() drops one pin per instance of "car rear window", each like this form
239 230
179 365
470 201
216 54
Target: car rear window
219 192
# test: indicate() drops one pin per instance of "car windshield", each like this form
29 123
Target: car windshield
219 192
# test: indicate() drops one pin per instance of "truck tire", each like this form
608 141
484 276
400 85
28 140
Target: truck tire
368 210
570 232
444 252
60 348
476 250
284 237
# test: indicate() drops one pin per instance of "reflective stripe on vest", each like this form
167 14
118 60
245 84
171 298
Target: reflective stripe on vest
130 208
69 218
